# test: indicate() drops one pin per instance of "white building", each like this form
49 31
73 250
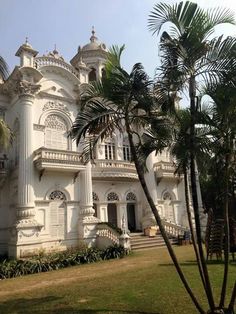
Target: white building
49 200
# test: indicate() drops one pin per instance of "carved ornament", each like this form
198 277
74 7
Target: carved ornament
56 105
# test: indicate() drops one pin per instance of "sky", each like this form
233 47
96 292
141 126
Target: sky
68 24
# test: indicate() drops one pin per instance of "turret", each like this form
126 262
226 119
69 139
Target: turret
26 54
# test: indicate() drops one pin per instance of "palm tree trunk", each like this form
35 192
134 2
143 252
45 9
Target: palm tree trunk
226 227
158 219
187 200
232 300
208 289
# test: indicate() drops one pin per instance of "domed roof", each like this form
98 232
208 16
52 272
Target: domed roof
55 54
94 43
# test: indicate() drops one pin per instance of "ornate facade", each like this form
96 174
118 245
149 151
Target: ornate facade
49 199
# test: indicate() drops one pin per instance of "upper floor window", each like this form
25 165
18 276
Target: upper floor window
56 132
110 150
126 150
92 75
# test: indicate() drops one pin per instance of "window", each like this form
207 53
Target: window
112 196
92 75
57 214
126 149
110 151
56 132
126 153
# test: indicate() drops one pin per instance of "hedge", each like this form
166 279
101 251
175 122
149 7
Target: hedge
44 263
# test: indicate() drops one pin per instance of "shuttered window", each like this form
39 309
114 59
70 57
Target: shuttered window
57 219
57 214
56 132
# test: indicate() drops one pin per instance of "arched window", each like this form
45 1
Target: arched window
92 75
57 196
131 197
56 132
126 150
95 197
112 196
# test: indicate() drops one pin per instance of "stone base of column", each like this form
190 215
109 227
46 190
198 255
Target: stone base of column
24 239
87 226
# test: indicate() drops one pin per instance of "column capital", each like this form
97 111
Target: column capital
26 89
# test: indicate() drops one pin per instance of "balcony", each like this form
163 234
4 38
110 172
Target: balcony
57 160
165 170
3 170
120 170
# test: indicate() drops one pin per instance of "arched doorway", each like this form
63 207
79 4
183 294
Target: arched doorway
57 214
131 204
112 198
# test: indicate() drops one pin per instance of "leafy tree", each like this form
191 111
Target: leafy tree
125 101
190 58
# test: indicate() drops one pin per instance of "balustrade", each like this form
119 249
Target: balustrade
173 229
49 61
57 155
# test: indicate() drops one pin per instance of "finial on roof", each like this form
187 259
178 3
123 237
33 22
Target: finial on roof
27 44
93 38
55 49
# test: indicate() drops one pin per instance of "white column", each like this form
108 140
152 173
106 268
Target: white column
25 177
86 193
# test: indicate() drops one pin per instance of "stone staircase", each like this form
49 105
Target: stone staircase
141 242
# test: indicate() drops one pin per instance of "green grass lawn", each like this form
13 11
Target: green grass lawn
144 282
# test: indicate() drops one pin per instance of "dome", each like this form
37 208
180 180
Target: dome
55 54
94 44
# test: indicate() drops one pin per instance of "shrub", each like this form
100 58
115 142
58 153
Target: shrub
44 263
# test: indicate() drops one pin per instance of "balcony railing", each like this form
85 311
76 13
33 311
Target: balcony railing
50 61
105 168
164 169
53 159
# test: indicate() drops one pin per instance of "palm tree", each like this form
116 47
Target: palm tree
223 131
189 57
125 101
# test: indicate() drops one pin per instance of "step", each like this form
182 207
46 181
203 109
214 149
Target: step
141 242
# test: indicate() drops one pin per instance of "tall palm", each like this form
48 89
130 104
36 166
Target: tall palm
124 101
223 131
190 57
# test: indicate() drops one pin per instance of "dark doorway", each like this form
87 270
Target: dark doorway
112 214
131 216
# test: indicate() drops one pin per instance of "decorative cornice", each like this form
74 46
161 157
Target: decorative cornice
56 105
39 127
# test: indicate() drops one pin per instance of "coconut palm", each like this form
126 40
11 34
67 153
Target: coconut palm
189 57
125 101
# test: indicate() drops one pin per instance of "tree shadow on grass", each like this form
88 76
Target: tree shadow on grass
209 262
43 306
